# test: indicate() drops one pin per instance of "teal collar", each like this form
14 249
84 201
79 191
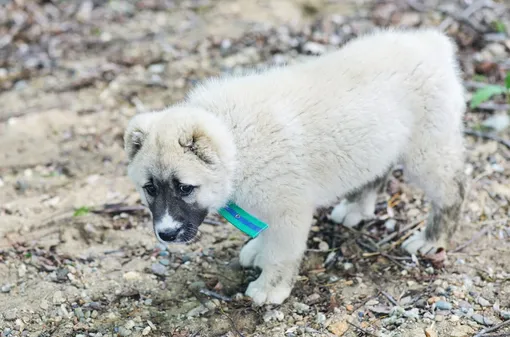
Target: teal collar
242 220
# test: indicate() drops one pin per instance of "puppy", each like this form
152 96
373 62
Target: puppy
282 142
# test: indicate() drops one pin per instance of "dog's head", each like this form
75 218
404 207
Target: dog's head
182 161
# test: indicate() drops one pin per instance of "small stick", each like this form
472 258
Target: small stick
208 292
487 136
389 297
494 328
360 329
481 233
406 228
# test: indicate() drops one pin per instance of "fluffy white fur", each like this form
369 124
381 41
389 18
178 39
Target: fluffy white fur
291 139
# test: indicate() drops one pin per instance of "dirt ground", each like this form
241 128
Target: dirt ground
77 252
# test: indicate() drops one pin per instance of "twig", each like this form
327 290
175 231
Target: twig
109 209
394 261
213 222
487 136
210 293
232 323
481 233
485 331
360 329
405 229
389 297
464 16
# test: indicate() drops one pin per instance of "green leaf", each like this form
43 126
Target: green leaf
507 81
499 26
81 211
485 93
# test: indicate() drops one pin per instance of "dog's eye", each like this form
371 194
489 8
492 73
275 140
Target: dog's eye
150 189
186 189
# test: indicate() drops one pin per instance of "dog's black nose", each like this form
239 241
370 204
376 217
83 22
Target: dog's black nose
169 235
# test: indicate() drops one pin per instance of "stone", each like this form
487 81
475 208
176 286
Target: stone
481 319
5 288
10 315
164 262
301 307
443 305
483 302
462 331
158 269
131 276
146 331
273 315
323 246
129 324
195 312
320 318
44 305
58 298
123 331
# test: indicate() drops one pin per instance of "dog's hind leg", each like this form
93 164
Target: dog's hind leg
437 170
359 205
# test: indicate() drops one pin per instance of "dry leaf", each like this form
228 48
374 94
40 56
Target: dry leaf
339 328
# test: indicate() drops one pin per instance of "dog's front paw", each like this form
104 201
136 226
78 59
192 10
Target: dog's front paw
249 253
348 214
419 244
263 291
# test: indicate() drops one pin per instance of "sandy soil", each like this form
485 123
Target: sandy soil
77 252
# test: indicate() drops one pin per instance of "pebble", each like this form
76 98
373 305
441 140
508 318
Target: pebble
197 285
158 269
131 276
146 331
505 314
481 319
10 315
78 312
301 307
58 297
443 305
390 225
164 262
320 318
129 324
497 122
197 311
124 332
397 311
5 288
454 318
44 305
483 302
323 246
372 303
313 298
272 315
157 68
22 270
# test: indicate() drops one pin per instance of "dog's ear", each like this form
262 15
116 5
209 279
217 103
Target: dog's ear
200 144
136 133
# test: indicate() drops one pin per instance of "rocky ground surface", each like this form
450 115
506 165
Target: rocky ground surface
77 253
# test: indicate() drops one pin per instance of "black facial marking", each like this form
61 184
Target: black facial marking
169 200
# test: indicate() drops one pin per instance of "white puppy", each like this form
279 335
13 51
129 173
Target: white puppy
290 139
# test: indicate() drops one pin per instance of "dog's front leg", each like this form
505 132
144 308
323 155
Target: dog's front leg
279 251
